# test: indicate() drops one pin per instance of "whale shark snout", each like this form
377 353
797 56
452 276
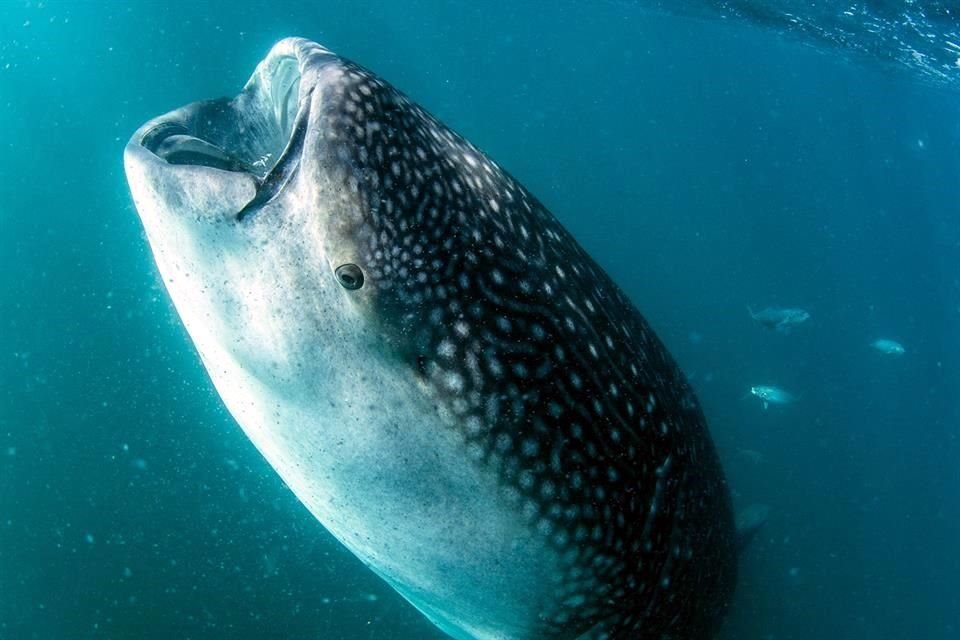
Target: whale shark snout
207 156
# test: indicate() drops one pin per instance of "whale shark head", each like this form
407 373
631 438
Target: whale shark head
439 372
255 218
315 222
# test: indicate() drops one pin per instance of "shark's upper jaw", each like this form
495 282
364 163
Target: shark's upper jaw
223 159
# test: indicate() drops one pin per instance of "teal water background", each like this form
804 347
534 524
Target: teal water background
708 164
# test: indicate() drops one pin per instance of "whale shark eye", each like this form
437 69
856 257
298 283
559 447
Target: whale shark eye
349 276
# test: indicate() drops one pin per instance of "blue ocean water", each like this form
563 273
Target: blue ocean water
710 156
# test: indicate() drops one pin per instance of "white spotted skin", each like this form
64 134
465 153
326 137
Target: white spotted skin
487 422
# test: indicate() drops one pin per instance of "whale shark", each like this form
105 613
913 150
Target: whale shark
436 368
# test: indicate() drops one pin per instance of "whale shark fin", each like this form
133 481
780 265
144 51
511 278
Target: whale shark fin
749 522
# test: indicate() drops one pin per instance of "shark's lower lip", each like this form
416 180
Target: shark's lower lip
177 139
163 190
190 150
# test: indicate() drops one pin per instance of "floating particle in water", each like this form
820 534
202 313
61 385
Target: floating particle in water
793 572
127 573
89 538
11 451
140 464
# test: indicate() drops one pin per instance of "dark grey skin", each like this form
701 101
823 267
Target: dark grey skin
441 374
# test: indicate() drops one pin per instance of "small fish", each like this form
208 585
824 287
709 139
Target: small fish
752 455
778 318
888 347
772 395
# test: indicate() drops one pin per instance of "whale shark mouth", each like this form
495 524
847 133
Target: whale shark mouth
256 136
